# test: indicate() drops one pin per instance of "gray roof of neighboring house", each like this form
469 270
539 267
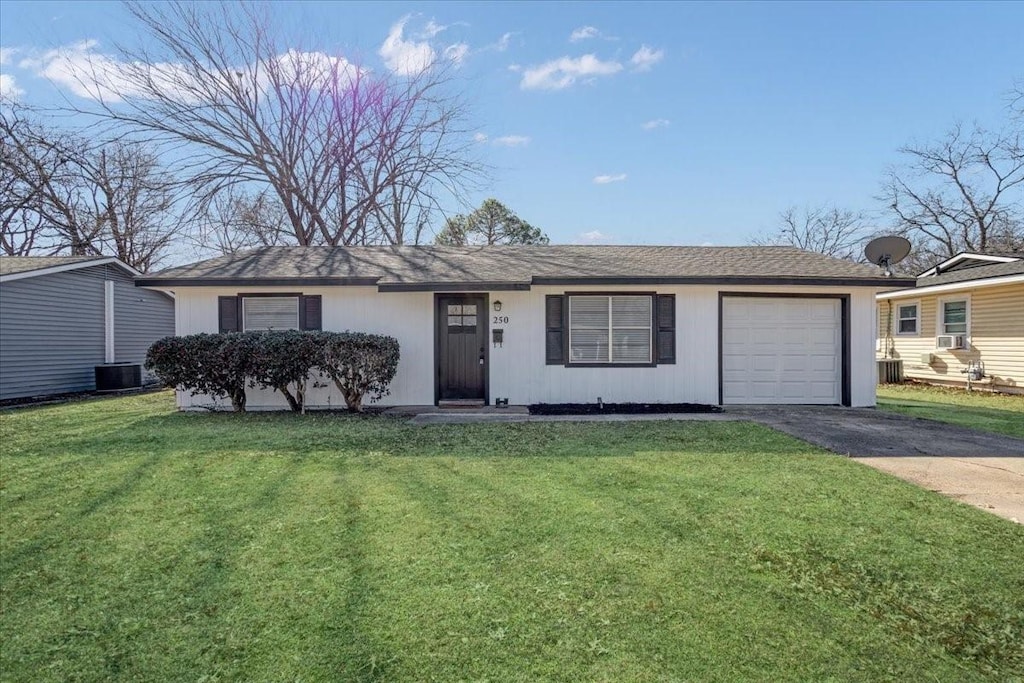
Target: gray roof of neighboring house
23 264
973 273
435 267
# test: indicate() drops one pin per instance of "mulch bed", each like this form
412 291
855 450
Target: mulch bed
620 408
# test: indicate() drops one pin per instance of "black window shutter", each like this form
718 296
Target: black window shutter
665 313
554 314
229 317
310 317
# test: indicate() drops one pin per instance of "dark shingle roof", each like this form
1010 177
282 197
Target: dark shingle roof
973 273
423 266
23 264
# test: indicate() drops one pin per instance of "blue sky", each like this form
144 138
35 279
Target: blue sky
750 108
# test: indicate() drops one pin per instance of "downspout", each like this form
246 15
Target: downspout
108 321
890 350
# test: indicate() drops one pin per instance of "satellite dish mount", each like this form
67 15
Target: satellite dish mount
885 252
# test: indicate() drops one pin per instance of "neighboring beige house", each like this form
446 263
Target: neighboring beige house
967 311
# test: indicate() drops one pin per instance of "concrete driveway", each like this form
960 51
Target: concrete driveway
978 468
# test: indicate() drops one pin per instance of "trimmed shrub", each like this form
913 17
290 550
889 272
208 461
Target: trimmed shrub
281 360
215 364
360 365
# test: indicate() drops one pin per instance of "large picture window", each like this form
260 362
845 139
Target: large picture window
610 329
262 313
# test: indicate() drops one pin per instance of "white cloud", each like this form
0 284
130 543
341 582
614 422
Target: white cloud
432 29
512 140
480 137
645 58
88 73
9 89
655 123
504 42
457 53
593 237
605 179
515 67
6 53
405 57
583 33
565 71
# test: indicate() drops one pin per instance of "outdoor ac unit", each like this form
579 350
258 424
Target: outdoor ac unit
950 341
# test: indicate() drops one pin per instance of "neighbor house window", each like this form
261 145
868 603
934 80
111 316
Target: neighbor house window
954 317
270 313
907 318
610 329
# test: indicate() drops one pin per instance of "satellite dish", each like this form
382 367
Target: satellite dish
884 252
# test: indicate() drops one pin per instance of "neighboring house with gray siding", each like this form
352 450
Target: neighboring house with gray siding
60 316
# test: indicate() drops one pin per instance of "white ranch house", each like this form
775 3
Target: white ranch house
560 324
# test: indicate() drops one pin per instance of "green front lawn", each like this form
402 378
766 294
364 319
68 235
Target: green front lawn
143 544
1000 413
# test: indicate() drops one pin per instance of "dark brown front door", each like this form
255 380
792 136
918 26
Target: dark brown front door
462 347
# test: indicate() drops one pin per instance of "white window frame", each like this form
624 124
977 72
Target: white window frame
917 319
245 325
941 317
611 330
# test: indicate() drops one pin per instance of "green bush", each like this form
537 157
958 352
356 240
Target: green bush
223 365
214 364
360 365
284 361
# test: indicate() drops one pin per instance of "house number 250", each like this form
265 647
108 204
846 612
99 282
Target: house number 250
500 320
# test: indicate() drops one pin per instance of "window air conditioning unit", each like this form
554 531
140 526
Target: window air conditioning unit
950 341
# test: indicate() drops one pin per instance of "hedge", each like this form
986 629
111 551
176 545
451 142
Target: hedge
223 365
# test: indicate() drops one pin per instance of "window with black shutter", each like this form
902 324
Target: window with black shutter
263 312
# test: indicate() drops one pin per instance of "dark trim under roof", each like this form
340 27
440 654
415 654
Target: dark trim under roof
256 282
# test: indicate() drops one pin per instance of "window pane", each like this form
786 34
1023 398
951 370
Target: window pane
954 317
469 321
454 320
908 311
589 346
588 311
270 313
469 309
631 346
908 326
454 309
631 311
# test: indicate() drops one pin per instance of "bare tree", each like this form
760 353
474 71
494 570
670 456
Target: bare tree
491 223
827 230
350 155
962 193
63 194
234 220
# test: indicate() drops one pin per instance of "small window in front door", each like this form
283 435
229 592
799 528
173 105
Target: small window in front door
462 318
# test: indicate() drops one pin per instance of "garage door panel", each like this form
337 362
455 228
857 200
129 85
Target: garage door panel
784 350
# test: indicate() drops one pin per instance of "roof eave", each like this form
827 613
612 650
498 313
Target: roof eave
64 267
952 286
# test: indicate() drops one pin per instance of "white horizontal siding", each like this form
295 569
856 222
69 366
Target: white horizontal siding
517 369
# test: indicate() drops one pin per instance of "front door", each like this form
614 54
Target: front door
462 347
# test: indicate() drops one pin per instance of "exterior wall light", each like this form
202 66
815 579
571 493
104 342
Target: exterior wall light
497 306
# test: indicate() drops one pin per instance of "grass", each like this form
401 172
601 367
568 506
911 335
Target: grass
999 413
143 544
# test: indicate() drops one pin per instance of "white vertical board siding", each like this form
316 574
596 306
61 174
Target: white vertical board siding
517 369
409 317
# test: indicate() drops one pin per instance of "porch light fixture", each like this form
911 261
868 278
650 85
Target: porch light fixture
497 306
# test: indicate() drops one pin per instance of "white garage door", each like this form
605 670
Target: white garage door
784 350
